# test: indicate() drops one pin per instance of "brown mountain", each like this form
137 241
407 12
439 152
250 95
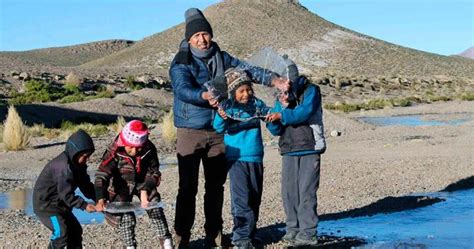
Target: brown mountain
62 56
468 53
243 27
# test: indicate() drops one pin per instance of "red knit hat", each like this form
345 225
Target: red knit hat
134 134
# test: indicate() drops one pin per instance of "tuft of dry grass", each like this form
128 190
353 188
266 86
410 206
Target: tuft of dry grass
168 130
15 132
37 130
118 125
73 79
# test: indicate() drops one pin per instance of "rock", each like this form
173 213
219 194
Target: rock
143 79
335 133
24 76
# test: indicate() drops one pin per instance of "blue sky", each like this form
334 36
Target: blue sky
439 26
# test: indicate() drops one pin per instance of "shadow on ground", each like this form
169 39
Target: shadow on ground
463 184
52 116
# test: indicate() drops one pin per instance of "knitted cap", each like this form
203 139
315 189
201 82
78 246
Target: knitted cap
236 77
134 134
196 22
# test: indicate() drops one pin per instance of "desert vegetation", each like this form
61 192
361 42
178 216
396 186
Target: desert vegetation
15 132
37 91
168 129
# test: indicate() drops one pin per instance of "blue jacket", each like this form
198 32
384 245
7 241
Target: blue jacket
187 78
301 115
243 140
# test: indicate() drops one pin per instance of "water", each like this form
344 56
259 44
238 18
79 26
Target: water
414 120
22 199
447 224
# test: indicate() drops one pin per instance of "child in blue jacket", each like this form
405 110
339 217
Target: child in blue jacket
244 152
297 119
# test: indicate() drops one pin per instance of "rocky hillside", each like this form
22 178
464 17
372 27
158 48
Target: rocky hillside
468 53
317 45
62 56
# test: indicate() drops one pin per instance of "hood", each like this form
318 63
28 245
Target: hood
78 142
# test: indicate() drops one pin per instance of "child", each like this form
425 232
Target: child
244 153
53 194
130 167
298 122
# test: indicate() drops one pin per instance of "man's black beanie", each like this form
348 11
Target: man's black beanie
196 22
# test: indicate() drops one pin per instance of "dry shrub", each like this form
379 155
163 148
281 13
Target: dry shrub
73 79
52 133
15 132
37 130
168 130
1 133
118 125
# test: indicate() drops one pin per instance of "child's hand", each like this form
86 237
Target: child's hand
273 117
222 113
144 199
90 208
99 206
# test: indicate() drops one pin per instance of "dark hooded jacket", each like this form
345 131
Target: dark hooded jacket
54 189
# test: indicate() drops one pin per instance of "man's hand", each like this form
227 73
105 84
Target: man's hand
90 208
222 113
144 199
99 206
210 98
273 117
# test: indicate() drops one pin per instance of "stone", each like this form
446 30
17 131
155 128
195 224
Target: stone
24 76
335 133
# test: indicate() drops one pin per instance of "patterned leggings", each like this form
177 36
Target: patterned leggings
127 224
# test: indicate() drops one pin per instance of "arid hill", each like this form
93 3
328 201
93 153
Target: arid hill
62 56
319 46
468 53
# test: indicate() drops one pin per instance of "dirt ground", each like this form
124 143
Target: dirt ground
364 164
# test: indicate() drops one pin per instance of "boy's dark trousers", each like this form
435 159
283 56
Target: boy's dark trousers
66 230
246 185
192 147
299 183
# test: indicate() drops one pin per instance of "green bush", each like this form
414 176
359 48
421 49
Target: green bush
37 91
102 94
468 96
71 89
72 98
372 104
95 130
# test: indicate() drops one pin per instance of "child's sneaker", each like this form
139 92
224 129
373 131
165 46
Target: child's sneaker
304 240
167 243
289 236
243 244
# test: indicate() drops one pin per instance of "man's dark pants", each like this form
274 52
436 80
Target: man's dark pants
192 147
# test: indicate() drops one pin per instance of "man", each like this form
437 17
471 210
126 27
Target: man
201 61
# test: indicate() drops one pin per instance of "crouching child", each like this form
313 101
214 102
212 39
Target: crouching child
53 193
297 119
130 167
244 153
